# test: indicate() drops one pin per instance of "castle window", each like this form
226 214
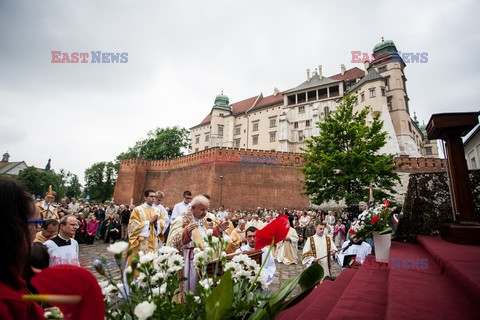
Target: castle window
207 136
255 125
312 95
301 109
301 97
237 143
238 130
382 69
295 125
300 136
326 111
322 93
220 131
291 99
273 136
197 139
196 149
383 91
273 122
255 140
362 96
372 93
334 91
307 123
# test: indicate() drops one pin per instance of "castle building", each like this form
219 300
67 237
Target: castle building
282 121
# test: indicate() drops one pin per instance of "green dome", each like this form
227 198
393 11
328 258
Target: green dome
222 102
385 46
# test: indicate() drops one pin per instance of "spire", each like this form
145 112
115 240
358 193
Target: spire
415 119
6 156
47 167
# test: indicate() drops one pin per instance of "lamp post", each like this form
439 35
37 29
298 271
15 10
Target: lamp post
221 189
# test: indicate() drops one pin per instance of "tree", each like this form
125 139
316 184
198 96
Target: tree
37 181
161 144
100 181
342 162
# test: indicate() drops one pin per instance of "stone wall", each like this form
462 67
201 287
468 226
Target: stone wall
251 178
427 203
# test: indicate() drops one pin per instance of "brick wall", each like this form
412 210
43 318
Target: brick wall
251 178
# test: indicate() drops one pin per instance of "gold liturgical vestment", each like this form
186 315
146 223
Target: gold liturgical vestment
143 236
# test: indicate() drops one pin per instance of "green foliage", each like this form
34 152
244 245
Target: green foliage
100 181
221 299
37 182
341 163
161 144
307 280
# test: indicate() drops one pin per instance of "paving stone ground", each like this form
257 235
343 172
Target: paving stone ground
95 251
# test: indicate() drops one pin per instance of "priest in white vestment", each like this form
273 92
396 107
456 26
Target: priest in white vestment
256 222
269 266
189 231
319 248
356 247
287 251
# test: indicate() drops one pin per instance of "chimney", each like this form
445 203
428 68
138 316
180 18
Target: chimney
308 74
343 69
275 91
366 64
320 75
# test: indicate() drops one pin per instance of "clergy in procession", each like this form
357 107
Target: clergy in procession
357 247
63 249
238 237
269 266
146 226
189 231
319 248
47 209
287 249
256 222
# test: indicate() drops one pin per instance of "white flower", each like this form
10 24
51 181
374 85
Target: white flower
147 257
175 263
120 286
168 250
224 254
103 283
156 292
163 288
128 270
109 289
197 299
142 279
144 310
227 238
214 240
206 283
209 232
118 247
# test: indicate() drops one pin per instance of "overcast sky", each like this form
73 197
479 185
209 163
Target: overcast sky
181 54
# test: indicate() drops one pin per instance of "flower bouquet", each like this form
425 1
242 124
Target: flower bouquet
153 283
375 220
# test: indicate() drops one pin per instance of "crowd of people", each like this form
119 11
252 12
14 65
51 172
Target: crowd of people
56 230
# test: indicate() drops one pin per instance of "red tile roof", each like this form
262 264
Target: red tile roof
248 104
244 105
350 74
269 101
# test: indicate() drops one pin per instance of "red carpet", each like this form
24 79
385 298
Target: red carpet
433 279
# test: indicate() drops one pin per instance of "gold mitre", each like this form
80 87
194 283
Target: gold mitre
50 192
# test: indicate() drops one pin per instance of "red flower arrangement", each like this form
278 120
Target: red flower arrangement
374 220
275 231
